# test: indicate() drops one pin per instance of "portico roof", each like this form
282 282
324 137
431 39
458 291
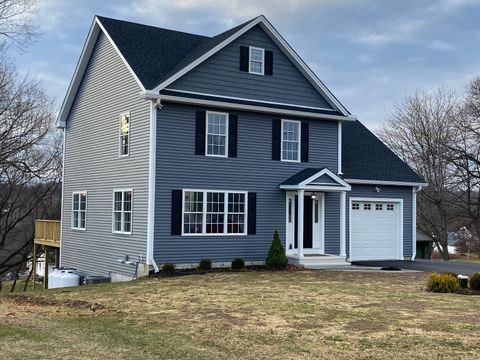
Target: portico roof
315 179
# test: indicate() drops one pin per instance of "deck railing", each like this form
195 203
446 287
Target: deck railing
47 232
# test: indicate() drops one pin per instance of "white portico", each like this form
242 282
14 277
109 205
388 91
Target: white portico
306 196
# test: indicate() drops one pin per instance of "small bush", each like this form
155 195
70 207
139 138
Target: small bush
475 281
238 264
168 268
442 283
205 264
276 258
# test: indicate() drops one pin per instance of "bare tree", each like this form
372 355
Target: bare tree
16 21
420 130
30 149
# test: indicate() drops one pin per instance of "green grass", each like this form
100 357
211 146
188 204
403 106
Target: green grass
244 315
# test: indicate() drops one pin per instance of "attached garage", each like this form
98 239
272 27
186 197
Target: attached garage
376 229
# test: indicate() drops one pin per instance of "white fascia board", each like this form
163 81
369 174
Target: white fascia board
82 63
315 188
280 41
383 182
262 109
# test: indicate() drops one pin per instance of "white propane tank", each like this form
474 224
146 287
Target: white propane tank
69 278
54 279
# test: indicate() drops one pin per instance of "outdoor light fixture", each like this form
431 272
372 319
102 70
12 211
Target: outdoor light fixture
377 189
314 196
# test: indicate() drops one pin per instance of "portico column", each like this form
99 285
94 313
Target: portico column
343 200
301 194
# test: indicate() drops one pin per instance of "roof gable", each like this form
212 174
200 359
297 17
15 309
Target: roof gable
219 75
315 179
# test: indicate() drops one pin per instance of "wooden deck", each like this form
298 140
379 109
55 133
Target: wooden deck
47 232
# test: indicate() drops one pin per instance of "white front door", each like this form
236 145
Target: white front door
375 229
317 221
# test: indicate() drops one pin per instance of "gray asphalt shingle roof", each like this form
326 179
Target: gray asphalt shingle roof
154 53
366 157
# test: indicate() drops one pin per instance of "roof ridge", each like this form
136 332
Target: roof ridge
100 17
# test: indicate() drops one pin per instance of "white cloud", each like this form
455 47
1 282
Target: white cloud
441 45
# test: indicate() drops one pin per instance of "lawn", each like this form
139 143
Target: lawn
247 315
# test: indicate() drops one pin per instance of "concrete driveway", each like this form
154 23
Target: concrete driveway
427 266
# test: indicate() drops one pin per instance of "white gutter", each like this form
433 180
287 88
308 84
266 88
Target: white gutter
383 182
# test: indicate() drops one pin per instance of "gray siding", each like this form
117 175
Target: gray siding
221 75
253 170
92 164
398 192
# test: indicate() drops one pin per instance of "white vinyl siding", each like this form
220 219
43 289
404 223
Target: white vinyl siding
217 134
125 134
256 63
79 210
122 211
210 212
290 140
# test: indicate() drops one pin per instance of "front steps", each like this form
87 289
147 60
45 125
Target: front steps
318 261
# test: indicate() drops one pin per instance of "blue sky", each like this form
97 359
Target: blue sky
370 53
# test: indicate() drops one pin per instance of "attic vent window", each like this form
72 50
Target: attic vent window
257 61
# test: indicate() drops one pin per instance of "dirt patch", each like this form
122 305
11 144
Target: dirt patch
366 325
252 268
41 301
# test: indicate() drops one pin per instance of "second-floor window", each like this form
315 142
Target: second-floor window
290 140
124 134
122 211
257 61
217 134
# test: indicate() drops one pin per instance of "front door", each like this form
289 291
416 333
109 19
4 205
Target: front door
307 222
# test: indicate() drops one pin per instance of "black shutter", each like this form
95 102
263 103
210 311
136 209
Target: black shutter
200 133
276 138
232 135
244 57
268 62
177 212
252 213
304 145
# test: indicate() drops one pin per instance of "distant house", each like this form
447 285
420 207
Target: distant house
180 147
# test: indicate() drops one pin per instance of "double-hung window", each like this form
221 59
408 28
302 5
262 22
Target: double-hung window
256 61
214 212
122 211
290 140
79 211
217 134
124 134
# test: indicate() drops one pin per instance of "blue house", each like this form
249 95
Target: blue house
179 147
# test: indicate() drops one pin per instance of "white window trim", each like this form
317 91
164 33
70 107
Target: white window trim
250 60
113 213
86 208
226 133
225 212
299 157
120 133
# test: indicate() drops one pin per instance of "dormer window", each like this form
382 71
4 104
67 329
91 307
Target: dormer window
257 61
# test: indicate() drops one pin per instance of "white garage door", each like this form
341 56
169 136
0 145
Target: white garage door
375 230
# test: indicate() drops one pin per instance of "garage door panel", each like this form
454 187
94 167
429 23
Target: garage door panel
374 230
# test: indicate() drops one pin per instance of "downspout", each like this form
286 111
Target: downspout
154 105
414 220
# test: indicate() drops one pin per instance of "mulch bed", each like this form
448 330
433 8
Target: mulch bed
41 301
195 271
